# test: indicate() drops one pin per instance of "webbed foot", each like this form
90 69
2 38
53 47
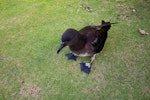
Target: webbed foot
85 67
71 56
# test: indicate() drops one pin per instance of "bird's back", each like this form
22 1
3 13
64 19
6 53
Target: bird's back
95 37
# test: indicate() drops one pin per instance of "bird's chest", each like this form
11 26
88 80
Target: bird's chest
86 50
82 54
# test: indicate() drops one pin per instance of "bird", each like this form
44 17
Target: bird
88 41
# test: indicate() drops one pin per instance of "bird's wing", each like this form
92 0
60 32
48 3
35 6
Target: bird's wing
95 37
97 40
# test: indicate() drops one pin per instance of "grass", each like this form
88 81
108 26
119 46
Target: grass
30 34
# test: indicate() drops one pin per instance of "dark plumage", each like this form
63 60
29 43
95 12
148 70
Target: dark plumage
88 41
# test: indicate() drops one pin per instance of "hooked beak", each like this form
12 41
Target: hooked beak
62 45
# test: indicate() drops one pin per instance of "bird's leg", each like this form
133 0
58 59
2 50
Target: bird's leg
71 56
86 67
93 58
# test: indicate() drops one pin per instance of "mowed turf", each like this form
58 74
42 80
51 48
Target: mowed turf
30 33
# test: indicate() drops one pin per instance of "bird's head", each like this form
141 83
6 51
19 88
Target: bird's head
68 38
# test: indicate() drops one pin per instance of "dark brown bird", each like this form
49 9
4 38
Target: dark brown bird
88 41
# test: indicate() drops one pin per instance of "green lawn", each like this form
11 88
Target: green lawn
30 68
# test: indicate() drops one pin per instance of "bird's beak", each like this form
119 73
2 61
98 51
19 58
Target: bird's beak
62 45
